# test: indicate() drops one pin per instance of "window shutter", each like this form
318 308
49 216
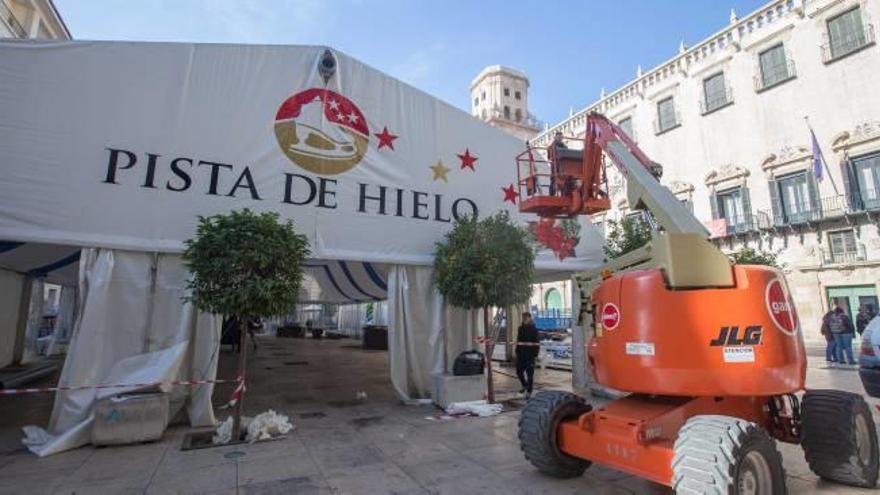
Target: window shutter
713 204
747 208
851 185
815 203
775 204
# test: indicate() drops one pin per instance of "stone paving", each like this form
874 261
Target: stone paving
340 444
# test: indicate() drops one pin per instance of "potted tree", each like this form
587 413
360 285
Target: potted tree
482 264
244 265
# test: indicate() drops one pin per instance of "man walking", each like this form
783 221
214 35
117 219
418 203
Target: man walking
841 327
830 349
527 347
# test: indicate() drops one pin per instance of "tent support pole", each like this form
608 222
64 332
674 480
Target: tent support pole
24 306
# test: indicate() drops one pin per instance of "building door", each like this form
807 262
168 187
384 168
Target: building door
850 297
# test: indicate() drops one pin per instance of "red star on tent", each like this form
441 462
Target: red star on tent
510 194
385 138
467 160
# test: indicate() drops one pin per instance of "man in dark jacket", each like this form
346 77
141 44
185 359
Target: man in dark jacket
841 327
527 347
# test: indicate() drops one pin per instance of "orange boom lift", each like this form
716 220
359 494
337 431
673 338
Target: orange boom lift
710 354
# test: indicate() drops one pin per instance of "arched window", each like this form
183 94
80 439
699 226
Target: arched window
553 299
506 112
518 115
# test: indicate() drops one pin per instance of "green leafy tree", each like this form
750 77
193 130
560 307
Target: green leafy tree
751 256
627 235
244 265
485 263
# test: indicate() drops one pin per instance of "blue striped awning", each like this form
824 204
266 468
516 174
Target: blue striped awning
55 263
344 282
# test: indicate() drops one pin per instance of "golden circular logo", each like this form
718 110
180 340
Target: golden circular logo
322 131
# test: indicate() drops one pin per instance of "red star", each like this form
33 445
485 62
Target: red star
385 138
467 160
510 194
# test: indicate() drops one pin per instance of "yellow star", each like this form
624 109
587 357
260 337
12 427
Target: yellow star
439 171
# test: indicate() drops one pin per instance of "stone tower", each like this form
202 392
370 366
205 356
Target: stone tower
500 96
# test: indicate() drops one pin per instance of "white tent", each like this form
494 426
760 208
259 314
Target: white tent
118 147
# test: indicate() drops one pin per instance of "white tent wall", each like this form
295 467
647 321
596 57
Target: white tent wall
64 321
12 285
134 326
423 331
35 320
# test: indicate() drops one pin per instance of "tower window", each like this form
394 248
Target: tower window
518 114
483 96
506 112
506 91
517 95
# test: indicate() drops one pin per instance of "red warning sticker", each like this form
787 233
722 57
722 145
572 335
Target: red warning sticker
780 306
610 316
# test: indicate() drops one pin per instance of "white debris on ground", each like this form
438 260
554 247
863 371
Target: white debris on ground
480 408
268 425
264 426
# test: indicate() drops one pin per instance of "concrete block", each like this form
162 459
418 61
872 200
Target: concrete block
450 388
130 418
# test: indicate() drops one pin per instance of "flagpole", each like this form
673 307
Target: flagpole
821 155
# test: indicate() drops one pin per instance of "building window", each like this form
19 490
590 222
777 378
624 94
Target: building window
865 182
775 67
476 101
506 112
483 96
517 95
795 199
846 34
842 245
716 94
506 92
626 125
667 117
518 114
732 205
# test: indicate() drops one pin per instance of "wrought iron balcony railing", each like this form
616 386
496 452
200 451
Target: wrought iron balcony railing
845 257
709 104
856 40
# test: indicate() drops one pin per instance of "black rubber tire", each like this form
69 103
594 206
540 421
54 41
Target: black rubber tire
538 424
828 436
711 455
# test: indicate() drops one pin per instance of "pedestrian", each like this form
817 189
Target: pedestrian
830 350
841 327
527 347
864 316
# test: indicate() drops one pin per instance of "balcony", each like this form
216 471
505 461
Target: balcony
849 44
845 257
660 128
716 102
10 20
775 75
828 208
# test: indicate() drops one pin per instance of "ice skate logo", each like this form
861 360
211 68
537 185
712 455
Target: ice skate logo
321 131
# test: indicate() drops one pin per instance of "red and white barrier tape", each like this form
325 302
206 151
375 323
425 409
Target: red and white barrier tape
66 388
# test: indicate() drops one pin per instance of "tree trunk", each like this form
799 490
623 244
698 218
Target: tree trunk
490 385
242 365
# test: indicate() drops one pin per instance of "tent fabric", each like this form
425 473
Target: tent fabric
367 167
53 263
424 333
344 282
133 327
12 284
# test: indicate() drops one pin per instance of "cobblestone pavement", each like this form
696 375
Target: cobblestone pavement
340 444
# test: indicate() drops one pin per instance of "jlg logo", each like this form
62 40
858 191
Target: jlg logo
730 336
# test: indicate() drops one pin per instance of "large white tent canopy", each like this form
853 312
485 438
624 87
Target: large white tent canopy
110 151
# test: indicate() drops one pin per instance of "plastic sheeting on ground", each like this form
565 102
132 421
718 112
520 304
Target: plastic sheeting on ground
423 331
133 327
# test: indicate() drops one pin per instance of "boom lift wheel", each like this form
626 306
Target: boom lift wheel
723 455
839 437
538 425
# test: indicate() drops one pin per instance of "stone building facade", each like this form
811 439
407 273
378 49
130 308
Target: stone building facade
500 96
38 19
730 120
